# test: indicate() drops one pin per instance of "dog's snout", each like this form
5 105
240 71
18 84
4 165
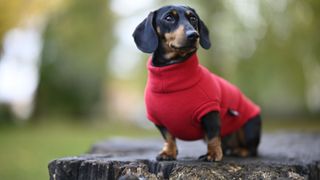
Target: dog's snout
192 35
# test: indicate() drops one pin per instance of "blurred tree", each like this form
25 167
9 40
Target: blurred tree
16 14
15 11
76 43
270 49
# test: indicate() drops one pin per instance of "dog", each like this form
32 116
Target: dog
186 101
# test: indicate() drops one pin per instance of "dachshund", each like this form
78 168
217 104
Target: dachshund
184 99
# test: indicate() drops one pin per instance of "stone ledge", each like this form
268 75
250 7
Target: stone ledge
282 155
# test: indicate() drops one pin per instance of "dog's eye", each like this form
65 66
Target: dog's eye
193 19
169 18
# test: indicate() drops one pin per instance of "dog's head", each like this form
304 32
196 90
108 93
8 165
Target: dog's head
173 32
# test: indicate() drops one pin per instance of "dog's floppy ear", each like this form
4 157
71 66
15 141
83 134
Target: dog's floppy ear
145 36
204 35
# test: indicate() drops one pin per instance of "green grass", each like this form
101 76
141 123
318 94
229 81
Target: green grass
25 150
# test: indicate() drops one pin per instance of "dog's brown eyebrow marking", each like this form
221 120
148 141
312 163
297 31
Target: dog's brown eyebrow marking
188 12
174 12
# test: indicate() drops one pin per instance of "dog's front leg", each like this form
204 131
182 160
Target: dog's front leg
211 126
169 151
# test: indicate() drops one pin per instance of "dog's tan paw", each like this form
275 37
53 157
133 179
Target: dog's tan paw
164 156
214 151
212 156
169 152
241 152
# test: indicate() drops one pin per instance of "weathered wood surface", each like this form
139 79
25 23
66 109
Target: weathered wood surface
282 156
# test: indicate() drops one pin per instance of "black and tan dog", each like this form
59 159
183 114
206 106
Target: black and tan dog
173 35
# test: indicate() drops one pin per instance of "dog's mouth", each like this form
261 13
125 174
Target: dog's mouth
183 48
184 45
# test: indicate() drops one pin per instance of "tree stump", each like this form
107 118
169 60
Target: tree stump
282 156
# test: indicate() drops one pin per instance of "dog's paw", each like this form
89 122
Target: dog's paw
242 152
211 157
214 151
165 157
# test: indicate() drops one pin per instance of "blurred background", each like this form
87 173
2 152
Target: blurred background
71 75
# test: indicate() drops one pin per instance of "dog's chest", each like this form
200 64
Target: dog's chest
178 111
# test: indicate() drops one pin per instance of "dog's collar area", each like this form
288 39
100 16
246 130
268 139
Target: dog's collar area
175 77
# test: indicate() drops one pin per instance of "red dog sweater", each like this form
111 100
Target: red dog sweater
179 95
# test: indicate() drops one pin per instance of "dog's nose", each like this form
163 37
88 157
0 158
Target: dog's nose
192 35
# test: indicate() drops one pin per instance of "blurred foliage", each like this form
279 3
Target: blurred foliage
76 43
269 49
19 13
14 11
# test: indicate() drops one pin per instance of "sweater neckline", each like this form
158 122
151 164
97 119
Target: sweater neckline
174 77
